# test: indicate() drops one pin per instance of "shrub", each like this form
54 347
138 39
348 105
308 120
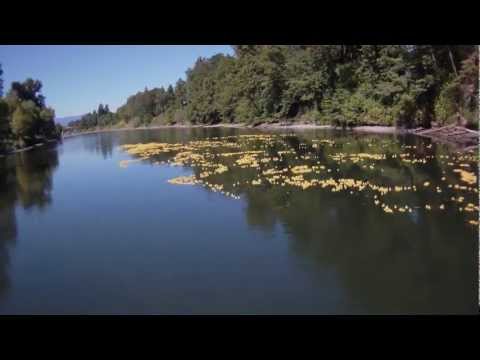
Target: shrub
180 116
447 102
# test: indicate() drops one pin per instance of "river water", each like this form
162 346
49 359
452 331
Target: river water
230 221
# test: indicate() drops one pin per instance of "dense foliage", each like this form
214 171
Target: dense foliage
24 118
343 85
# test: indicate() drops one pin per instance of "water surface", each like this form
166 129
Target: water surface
81 234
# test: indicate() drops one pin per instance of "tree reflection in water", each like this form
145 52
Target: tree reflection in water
25 180
388 264
417 262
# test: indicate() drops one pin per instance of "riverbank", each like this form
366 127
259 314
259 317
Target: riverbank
365 129
11 152
181 126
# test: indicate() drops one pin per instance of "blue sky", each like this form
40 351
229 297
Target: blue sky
77 78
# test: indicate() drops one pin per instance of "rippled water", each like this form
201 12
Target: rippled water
315 222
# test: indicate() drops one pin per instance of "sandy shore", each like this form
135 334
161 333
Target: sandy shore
367 129
380 129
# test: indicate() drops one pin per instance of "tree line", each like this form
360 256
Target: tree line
102 117
342 85
25 119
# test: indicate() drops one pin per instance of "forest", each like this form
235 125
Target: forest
25 120
342 85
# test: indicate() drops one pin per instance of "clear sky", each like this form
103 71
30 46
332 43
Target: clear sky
77 78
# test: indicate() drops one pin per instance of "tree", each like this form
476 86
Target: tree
1 81
305 82
23 120
403 85
201 90
4 118
180 94
245 50
459 95
28 90
100 117
46 124
260 82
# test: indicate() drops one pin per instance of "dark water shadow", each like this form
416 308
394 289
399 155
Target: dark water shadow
416 264
413 263
26 181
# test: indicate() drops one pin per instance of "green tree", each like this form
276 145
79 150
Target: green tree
24 121
101 110
201 90
305 83
180 93
24 117
4 119
46 124
28 90
403 85
1 80
260 83
459 95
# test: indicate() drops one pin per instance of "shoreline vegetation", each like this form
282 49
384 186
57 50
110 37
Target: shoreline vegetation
25 120
369 88
362 88
404 86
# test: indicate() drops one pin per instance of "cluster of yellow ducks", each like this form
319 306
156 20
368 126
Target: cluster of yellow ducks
219 155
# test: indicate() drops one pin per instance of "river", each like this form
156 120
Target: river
236 221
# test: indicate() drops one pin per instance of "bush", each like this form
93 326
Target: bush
460 96
158 121
312 116
135 122
245 112
120 124
180 116
405 112
376 113
447 103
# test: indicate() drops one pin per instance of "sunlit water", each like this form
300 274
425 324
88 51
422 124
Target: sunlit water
82 231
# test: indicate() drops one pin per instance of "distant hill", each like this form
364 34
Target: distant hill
66 119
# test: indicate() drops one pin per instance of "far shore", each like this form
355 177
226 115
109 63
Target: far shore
366 129
369 129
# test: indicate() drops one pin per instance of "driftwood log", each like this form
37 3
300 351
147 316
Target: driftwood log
458 136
